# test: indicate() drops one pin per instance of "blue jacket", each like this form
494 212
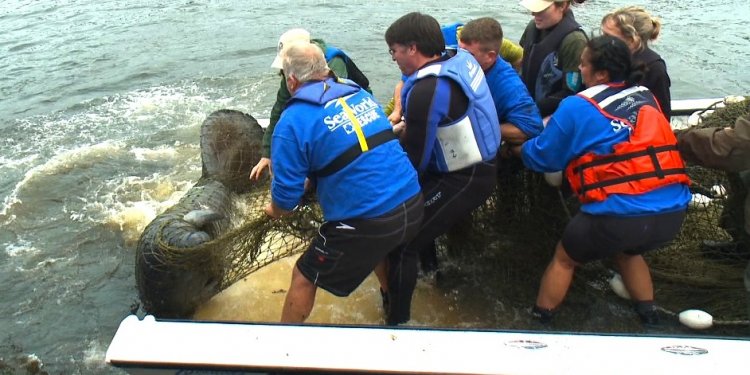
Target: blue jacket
471 139
512 101
314 130
578 127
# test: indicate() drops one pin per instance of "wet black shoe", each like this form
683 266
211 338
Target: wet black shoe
648 313
543 315
650 318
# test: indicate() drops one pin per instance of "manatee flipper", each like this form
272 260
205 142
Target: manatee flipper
199 218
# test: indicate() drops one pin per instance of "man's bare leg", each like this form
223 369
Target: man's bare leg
299 299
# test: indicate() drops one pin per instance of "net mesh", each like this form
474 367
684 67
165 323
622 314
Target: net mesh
255 242
513 235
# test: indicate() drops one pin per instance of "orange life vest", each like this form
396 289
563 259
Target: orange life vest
647 160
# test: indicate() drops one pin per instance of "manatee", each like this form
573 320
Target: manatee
176 269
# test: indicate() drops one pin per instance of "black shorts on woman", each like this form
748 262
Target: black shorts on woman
593 237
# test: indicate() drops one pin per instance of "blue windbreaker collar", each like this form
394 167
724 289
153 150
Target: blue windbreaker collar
321 92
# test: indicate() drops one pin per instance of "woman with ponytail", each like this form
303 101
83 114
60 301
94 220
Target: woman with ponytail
621 160
637 28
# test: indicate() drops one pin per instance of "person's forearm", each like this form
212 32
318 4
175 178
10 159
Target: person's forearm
512 134
275 211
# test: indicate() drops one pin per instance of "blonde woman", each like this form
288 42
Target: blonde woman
636 27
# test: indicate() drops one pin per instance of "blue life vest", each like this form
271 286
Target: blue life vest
450 34
471 139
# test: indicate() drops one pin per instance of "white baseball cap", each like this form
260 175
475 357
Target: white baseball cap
288 38
539 5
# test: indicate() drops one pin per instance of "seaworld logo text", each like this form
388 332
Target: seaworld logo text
366 111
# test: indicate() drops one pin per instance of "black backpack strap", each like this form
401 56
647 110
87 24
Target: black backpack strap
352 153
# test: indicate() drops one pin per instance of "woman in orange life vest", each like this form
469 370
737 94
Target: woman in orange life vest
607 138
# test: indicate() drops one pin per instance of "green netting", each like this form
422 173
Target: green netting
257 241
509 241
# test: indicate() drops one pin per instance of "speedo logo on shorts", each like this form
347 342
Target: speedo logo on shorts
434 199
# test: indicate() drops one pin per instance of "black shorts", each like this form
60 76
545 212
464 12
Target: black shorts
593 237
345 252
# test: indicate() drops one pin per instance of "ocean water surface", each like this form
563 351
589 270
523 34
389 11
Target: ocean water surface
100 108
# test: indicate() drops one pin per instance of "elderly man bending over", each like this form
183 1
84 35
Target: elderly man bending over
336 135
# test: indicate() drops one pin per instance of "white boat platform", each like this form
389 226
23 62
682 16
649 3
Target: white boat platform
685 107
151 346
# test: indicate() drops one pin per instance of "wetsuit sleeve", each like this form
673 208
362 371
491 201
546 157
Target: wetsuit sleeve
338 67
570 58
658 82
290 166
420 118
282 96
418 110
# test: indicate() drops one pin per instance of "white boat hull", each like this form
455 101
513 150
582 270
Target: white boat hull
149 346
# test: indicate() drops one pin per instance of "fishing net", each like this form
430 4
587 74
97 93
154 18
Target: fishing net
262 240
218 232
511 240
691 273
255 241
508 242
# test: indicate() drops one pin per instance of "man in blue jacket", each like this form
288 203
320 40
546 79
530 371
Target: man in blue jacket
334 134
339 63
518 114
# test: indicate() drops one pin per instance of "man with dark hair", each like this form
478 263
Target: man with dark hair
519 117
451 130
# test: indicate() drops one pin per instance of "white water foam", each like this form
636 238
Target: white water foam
60 163
158 153
22 247
135 201
94 355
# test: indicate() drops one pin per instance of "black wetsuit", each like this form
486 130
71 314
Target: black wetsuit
449 197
